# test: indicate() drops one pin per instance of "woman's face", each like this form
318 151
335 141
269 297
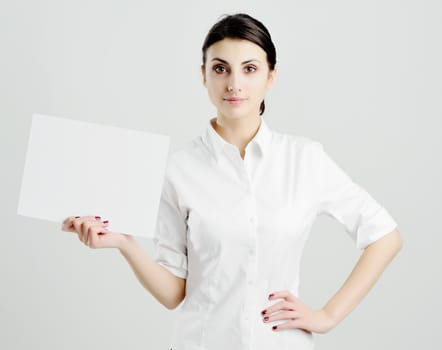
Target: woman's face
237 76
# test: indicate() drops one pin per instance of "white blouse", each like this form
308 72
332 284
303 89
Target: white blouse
235 229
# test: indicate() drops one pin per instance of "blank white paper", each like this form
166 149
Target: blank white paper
80 168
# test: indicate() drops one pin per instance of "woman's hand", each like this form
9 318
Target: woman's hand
297 313
93 232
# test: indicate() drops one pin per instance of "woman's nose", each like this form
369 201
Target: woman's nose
234 83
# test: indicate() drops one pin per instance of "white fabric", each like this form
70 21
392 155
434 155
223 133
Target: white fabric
235 229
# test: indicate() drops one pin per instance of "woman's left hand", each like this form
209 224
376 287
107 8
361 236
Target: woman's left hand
297 313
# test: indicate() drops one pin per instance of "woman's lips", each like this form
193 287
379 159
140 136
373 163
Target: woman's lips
234 100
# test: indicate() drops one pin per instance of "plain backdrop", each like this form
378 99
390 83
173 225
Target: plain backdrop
363 78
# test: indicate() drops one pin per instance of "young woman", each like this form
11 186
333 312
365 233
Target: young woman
236 208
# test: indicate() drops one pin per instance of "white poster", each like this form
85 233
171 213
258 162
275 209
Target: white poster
80 168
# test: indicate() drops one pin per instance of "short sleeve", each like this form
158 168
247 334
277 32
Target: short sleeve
364 219
170 237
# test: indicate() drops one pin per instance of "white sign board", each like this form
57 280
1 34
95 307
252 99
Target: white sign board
76 168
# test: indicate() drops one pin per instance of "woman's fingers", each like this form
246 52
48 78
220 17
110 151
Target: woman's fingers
67 224
296 313
293 323
93 232
81 225
88 227
290 308
284 294
93 235
282 305
283 315
289 301
78 224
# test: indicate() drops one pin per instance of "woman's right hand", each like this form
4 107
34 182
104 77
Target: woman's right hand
93 232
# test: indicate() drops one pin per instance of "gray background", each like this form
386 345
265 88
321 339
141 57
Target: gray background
364 78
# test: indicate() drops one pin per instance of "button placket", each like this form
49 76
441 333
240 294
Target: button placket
251 250
252 267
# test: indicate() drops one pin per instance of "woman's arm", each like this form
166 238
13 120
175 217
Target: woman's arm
167 288
366 272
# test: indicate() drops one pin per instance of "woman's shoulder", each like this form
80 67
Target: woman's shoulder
297 141
185 154
188 149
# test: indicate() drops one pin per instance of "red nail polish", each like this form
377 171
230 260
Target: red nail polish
77 217
105 221
274 327
271 295
263 312
98 217
266 318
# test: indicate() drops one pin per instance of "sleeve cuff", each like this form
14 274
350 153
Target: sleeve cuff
182 273
378 226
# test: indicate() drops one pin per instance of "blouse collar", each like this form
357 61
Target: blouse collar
217 144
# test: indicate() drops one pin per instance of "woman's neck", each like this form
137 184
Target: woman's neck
237 132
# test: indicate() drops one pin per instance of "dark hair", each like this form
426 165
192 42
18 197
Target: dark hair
242 26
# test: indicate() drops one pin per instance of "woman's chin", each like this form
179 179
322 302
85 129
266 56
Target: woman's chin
236 114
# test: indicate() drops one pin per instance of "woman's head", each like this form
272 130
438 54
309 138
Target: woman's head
239 61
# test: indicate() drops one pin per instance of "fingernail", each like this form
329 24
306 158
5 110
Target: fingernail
98 217
105 221
271 295
263 312
266 318
77 217
274 327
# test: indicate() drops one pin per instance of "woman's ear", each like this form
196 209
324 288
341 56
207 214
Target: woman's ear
203 72
272 77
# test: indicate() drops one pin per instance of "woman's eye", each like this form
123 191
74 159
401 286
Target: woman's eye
219 69
250 69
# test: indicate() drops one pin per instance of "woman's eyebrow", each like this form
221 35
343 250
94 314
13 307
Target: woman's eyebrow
225 62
